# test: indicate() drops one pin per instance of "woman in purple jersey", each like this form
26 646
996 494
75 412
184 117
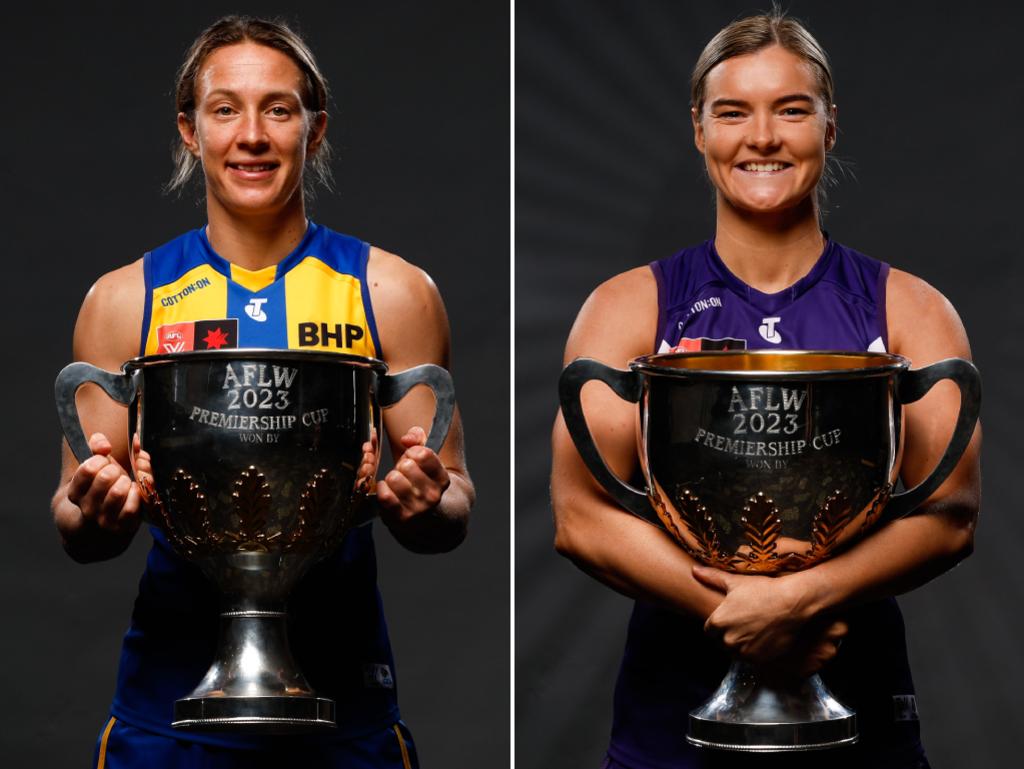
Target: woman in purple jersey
764 120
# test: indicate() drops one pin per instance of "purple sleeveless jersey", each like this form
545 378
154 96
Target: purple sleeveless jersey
838 305
670 667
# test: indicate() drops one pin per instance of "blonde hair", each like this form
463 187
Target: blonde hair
752 34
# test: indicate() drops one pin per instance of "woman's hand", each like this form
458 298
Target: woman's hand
103 490
766 620
415 486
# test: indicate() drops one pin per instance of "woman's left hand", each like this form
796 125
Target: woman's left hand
416 483
767 619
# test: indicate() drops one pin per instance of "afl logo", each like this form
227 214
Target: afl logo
768 331
174 341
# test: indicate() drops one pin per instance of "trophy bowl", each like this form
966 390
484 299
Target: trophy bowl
766 462
254 464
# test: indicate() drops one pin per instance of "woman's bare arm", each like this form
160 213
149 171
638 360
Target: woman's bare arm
425 500
96 505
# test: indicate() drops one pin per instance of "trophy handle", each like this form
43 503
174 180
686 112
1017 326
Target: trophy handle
628 385
74 375
913 385
394 387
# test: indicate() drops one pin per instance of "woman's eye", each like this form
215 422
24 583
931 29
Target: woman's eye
794 111
730 115
224 110
280 111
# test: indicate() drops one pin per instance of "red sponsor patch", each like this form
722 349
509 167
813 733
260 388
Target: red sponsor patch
215 339
686 344
176 337
197 335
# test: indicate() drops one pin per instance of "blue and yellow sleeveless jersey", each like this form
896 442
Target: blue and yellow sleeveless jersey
317 299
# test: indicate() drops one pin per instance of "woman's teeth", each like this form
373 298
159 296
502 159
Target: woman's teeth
763 166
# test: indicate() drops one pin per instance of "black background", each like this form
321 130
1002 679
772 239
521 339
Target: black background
420 122
930 110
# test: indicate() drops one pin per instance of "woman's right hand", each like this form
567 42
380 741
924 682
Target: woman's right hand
104 491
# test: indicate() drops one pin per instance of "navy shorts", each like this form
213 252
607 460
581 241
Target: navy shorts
838 758
122 746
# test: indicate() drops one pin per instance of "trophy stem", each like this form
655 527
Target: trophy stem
254 684
751 713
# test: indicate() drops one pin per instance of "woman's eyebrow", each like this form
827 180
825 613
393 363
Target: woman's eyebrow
746 105
794 97
728 103
263 97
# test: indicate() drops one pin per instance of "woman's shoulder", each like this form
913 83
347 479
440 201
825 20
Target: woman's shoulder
627 287
109 322
618 320
910 295
117 286
394 279
410 314
916 309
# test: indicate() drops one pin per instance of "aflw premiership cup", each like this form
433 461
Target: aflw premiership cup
254 464
762 463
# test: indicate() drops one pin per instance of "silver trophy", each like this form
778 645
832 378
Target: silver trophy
254 464
762 463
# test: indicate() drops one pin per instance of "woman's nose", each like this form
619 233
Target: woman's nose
762 135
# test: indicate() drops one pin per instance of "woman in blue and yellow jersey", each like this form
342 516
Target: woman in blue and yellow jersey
251 113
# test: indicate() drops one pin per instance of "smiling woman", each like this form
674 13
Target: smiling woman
763 131
252 115
247 123
764 121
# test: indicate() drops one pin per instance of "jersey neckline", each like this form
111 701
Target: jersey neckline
224 267
771 303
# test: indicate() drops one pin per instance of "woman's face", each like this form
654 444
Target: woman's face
251 132
764 130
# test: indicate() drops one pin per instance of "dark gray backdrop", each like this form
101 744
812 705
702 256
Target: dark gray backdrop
421 123
930 107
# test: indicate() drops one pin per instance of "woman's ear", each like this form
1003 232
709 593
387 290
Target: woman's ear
698 130
189 137
317 131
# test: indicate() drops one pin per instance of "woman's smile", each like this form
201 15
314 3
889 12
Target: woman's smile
763 168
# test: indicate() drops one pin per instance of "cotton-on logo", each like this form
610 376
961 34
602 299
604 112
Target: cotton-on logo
768 331
191 288
255 309
705 304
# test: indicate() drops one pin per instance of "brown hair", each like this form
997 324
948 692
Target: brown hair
231 30
753 34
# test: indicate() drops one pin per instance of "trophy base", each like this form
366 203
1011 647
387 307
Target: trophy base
263 715
749 714
254 684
